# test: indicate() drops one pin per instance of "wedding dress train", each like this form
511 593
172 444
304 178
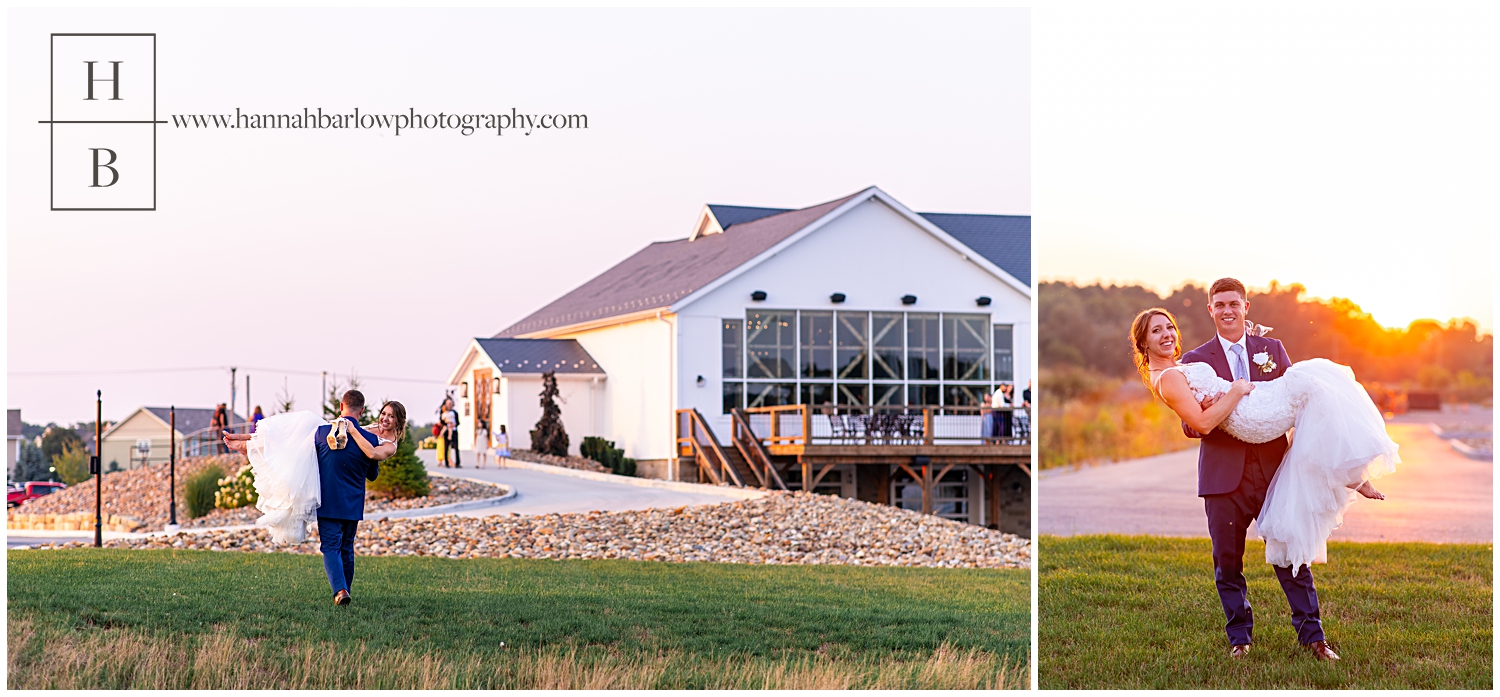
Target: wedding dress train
285 463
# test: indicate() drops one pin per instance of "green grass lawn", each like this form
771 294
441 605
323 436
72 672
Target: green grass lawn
89 618
1142 612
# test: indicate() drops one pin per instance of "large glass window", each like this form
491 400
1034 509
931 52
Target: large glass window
1005 368
888 395
853 395
734 395
853 345
816 394
923 395
772 344
887 336
966 347
964 395
922 347
769 394
853 358
734 354
817 344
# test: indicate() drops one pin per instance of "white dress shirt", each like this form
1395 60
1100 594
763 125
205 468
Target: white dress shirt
1229 353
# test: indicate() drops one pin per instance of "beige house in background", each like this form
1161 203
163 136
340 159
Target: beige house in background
151 426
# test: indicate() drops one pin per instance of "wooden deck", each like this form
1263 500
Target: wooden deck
975 454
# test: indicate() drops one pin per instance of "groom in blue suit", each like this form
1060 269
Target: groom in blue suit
342 473
1234 476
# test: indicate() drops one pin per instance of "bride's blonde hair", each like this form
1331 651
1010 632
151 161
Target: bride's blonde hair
1138 330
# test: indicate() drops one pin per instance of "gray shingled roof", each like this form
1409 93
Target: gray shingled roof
734 215
665 272
1003 239
190 419
539 356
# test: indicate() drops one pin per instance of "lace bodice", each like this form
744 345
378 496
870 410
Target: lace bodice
1269 411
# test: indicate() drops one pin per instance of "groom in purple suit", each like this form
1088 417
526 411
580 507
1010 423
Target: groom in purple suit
1233 477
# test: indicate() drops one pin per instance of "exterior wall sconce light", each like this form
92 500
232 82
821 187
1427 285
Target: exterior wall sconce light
463 389
701 382
982 301
497 388
837 297
908 300
758 295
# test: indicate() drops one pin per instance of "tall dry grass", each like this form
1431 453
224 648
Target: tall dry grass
123 658
1084 418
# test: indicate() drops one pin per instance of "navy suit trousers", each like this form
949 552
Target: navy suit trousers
337 543
1229 516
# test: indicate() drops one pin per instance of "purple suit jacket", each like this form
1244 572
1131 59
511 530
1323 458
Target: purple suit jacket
1221 458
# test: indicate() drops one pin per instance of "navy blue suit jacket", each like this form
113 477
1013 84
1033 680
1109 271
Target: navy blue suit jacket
1221 458
343 474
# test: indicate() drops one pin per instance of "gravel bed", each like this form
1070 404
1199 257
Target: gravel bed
781 528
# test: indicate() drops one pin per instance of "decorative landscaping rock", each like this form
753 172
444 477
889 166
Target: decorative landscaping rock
781 528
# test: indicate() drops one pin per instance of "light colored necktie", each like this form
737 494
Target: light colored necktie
1240 371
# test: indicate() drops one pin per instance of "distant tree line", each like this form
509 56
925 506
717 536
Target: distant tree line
1088 327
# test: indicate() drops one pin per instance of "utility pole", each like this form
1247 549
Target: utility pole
229 418
98 474
172 522
247 397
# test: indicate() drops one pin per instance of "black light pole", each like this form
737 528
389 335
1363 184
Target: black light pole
173 480
94 466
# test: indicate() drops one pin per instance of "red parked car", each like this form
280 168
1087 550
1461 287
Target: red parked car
18 494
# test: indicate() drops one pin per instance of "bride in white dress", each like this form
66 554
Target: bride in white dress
1339 444
284 459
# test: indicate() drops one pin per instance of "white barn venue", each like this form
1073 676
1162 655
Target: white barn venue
844 348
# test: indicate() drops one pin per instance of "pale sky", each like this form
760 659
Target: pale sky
281 250
1349 149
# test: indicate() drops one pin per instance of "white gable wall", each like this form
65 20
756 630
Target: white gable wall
873 255
518 406
636 407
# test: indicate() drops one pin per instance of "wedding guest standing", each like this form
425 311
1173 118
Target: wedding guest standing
1001 403
255 418
481 443
450 424
220 423
502 447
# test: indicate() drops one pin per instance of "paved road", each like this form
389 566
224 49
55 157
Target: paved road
1436 495
543 492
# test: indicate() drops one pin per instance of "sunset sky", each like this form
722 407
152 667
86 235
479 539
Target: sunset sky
1350 151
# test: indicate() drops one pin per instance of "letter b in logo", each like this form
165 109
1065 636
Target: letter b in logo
103 122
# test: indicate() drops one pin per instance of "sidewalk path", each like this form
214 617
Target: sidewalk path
1436 495
544 492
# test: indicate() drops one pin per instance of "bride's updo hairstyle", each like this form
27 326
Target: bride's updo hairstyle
1138 330
398 411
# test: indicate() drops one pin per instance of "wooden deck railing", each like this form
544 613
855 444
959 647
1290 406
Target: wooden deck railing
696 440
799 424
754 451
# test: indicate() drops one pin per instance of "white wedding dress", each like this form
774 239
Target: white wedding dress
1340 441
285 462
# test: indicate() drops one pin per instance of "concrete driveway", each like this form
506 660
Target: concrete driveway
1436 495
540 492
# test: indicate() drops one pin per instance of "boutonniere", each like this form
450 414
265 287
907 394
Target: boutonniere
1263 360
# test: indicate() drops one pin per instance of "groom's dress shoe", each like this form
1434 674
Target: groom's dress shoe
342 598
1239 651
1322 651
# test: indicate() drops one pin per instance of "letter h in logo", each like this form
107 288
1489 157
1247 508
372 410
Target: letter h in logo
103 122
